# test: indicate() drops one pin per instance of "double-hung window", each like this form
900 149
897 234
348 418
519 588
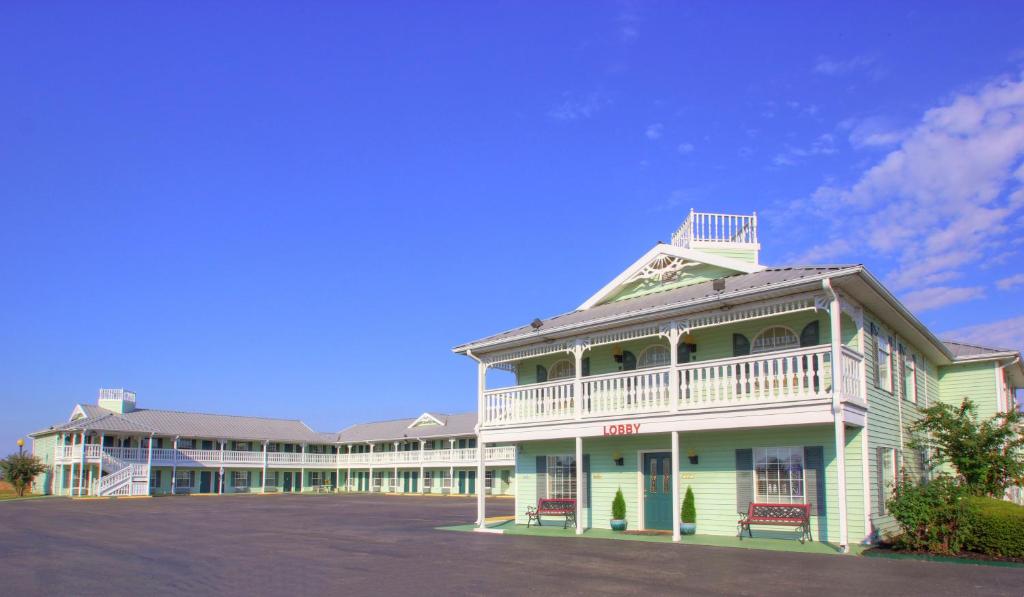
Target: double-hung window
428 479
779 475
240 479
562 476
910 377
883 362
185 479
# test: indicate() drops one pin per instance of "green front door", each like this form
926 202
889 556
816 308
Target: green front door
472 482
287 483
658 490
462 481
405 481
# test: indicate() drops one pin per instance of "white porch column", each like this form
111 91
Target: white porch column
302 467
264 477
481 479
81 465
174 467
220 471
369 484
451 465
577 381
674 333
396 467
579 486
421 468
348 470
835 331
149 467
675 487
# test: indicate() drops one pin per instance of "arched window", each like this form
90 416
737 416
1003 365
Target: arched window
562 369
654 356
774 338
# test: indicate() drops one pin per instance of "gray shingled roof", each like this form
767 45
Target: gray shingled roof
184 424
398 429
965 350
669 298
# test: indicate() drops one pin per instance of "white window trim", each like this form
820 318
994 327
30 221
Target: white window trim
791 331
571 476
551 370
883 340
641 360
803 471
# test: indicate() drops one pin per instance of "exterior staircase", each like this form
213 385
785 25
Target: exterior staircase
122 479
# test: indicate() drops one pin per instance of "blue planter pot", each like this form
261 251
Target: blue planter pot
688 528
618 525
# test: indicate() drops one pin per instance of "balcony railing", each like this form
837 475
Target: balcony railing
253 459
800 374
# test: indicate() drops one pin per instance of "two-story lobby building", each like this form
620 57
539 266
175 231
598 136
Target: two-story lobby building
698 366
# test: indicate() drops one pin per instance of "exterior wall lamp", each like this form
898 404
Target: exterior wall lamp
692 455
617 459
617 354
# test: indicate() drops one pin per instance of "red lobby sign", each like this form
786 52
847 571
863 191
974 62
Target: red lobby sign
622 429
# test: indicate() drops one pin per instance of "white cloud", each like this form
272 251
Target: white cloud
873 132
1007 333
685 148
654 131
828 66
578 108
1010 282
941 296
943 200
823 145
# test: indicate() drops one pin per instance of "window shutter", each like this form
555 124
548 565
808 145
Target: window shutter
542 477
810 335
248 478
628 361
874 355
740 346
683 354
585 366
880 480
744 479
542 374
901 365
585 492
892 367
814 478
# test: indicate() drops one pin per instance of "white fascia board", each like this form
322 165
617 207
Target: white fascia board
674 251
810 281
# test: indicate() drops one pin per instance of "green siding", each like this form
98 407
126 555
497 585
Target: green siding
748 255
976 381
713 479
43 447
688 276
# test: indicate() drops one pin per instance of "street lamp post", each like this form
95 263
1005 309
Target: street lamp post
21 447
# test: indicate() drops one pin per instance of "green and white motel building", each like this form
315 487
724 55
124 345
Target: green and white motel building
696 366
114 448
699 366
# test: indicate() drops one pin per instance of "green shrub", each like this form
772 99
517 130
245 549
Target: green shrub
619 506
689 511
996 528
935 516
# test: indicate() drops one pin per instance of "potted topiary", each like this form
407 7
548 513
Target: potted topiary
618 520
688 515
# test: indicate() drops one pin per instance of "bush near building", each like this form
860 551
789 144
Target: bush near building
996 528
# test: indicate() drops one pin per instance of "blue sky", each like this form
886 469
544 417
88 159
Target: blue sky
297 209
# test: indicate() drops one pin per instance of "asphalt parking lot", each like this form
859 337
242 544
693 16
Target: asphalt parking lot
367 545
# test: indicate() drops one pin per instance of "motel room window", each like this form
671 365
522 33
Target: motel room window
489 479
243 446
884 363
655 356
505 477
428 479
186 444
779 475
562 476
155 479
240 479
909 377
562 369
888 465
185 479
775 338
316 478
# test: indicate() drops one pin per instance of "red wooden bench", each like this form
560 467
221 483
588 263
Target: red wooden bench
564 507
791 515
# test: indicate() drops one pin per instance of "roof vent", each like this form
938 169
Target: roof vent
718 284
536 324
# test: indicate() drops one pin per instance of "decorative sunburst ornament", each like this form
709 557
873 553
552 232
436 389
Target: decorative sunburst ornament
661 269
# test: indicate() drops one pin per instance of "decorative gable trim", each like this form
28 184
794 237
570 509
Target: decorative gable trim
78 413
426 419
666 260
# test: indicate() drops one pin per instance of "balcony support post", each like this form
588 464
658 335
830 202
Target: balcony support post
263 477
348 469
370 460
421 488
579 347
395 478
174 468
676 519
580 497
149 468
302 467
81 464
835 332
220 471
673 333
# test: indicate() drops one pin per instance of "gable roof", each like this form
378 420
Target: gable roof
399 429
681 297
964 350
187 424
660 251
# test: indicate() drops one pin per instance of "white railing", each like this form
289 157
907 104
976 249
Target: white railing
850 374
799 374
795 374
640 391
114 459
111 484
535 402
716 228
